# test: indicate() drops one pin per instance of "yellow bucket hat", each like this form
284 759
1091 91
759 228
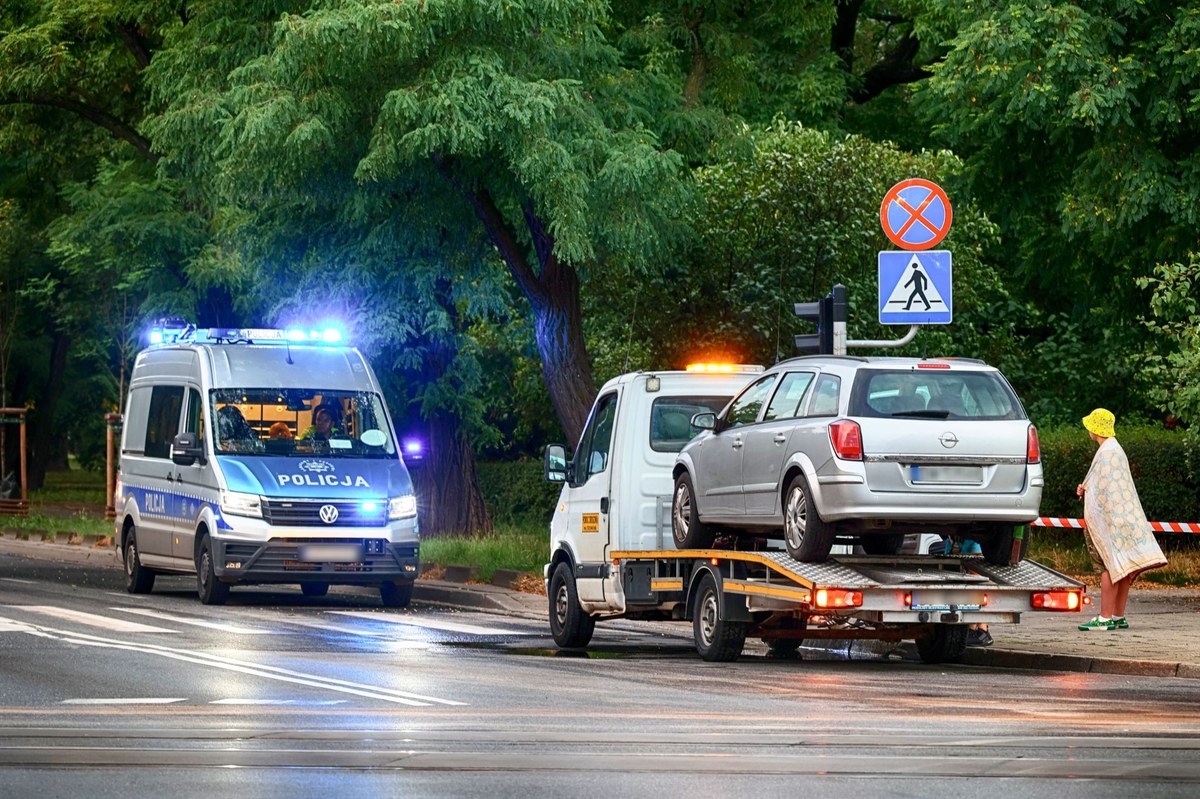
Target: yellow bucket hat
1101 422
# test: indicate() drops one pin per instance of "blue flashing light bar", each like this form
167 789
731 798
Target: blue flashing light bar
176 331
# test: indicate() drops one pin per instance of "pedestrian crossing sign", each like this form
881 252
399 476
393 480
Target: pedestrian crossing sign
915 288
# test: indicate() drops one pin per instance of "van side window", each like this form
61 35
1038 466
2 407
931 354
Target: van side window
195 414
592 455
163 423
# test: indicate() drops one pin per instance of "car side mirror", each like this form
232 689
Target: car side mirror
554 463
186 449
705 421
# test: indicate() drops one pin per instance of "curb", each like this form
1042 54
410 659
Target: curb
1041 661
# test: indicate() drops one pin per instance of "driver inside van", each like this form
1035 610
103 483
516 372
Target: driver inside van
327 419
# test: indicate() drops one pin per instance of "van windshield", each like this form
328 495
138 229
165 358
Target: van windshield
300 423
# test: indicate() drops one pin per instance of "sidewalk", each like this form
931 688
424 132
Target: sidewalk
1163 639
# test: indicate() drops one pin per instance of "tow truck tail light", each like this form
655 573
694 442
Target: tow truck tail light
846 437
838 598
1033 450
1057 600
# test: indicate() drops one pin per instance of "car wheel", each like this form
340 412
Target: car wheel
138 579
886 544
314 589
686 528
211 590
997 544
945 645
717 639
570 626
396 594
807 537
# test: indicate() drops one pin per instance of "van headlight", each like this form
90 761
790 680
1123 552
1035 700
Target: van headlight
235 504
402 507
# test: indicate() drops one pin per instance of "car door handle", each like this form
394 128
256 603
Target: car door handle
780 438
736 443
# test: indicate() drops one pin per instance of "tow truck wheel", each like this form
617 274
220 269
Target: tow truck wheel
807 537
138 579
570 626
686 528
946 645
883 544
997 544
211 590
717 639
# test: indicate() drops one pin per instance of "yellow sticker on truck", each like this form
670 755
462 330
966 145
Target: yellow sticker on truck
591 523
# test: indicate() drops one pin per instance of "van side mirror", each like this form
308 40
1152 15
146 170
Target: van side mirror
705 421
186 449
554 463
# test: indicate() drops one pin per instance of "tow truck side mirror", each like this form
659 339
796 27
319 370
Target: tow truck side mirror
186 449
554 463
705 421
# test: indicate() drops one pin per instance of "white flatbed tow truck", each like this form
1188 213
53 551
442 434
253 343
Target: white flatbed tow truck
612 554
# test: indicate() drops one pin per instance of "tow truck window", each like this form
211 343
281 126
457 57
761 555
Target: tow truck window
671 420
592 456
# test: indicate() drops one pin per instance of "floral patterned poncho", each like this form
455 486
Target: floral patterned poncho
1117 530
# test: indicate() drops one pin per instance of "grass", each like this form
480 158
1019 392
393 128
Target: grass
520 548
1070 556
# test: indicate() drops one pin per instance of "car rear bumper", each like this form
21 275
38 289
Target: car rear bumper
838 500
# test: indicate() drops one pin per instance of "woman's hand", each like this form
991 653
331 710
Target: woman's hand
1079 490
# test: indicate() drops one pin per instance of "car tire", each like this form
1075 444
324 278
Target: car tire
945 645
210 589
997 545
717 640
686 528
138 579
570 626
807 537
396 593
315 590
884 544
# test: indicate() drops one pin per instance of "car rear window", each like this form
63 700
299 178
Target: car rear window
934 394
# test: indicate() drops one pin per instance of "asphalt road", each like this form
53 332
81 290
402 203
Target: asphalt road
104 694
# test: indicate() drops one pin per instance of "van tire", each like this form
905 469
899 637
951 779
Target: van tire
687 530
210 590
717 640
396 594
807 537
315 590
946 645
138 579
570 626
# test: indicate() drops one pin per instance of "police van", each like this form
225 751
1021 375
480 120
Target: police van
262 456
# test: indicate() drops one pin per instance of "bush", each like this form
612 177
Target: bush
516 493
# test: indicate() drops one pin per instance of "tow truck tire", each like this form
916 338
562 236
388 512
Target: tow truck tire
997 545
717 640
570 626
211 590
946 645
138 579
686 528
807 536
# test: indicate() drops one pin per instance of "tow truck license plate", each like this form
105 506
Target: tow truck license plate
942 600
331 553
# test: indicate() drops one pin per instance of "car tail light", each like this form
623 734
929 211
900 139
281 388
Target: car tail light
838 598
933 365
1057 600
1033 450
846 437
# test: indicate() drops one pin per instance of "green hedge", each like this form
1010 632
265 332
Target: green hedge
517 493
1157 457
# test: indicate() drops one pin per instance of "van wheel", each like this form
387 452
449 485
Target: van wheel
686 528
138 579
997 544
717 640
211 590
570 626
946 645
314 589
395 594
807 537
886 544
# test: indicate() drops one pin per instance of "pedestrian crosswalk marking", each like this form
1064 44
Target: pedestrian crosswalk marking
236 629
428 623
135 700
92 619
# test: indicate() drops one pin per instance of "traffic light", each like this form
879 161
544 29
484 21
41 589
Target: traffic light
819 313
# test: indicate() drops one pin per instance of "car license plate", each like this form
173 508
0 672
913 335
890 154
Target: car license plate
942 600
946 475
331 553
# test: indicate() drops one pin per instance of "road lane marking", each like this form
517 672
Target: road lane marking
236 629
143 700
92 620
428 623
15 580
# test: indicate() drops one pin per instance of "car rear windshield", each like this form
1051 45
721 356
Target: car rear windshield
934 394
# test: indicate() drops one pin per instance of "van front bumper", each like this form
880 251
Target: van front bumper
340 561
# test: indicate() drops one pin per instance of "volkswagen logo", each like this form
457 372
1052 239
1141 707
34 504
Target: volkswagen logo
948 440
320 467
329 513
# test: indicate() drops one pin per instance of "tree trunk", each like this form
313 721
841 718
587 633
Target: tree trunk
449 500
558 330
42 429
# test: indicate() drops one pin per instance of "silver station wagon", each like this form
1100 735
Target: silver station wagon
866 450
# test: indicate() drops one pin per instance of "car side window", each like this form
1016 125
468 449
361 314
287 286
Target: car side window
592 456
744 409
825 396
786 402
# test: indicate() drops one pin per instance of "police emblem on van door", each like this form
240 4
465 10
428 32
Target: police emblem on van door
329 513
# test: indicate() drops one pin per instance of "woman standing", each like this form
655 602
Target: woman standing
1118 535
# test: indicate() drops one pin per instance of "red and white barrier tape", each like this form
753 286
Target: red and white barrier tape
1158 527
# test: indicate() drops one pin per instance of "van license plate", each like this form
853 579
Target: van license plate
331 553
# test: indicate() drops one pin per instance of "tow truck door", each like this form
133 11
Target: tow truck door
588 499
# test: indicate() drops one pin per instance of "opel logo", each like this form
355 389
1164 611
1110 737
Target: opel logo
948 440
329 513
320 467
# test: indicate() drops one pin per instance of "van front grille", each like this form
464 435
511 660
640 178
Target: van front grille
315 513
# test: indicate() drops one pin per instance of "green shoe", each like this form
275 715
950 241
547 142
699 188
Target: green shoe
1119 623
1098 624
